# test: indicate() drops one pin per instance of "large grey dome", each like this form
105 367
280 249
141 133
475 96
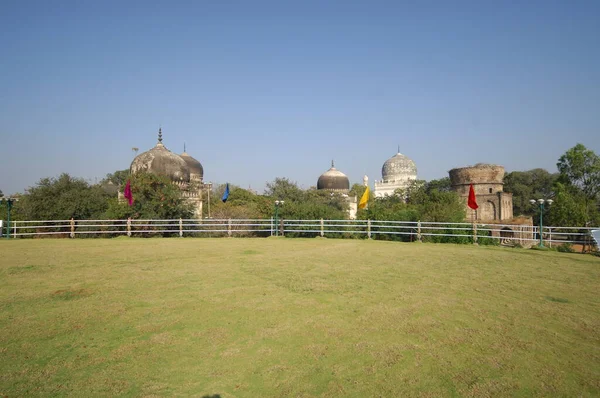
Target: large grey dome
195 167
399 168
159 160
333 180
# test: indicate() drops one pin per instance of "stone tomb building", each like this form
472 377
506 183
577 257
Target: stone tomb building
488 184
183 170
398 172
495 205
337 182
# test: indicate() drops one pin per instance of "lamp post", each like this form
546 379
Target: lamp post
9 202
540 203
209 185
277 204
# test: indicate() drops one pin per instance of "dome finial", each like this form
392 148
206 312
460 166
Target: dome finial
332 165
160 135
398 148
183 146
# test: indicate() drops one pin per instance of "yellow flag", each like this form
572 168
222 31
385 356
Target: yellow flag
364 200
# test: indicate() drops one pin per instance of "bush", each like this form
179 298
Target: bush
566 248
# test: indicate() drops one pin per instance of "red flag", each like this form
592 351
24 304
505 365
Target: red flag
472 202
127 193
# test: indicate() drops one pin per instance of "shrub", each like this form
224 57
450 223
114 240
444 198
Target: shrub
566 248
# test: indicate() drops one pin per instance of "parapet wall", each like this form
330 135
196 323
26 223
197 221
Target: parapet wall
478 174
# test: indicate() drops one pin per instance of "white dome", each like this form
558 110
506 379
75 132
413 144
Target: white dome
399 168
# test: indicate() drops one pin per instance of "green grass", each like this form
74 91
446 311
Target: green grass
295 317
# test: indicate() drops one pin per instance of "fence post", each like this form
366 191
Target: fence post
180 227
419 230
15 229
281 226
129 226
322 228
549 237
369 228
229 227
272 226
474 233
72 234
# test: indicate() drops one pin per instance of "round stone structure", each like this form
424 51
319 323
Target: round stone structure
486 179
334 180
488 183
159 160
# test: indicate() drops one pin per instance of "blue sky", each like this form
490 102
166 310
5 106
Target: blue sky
265 89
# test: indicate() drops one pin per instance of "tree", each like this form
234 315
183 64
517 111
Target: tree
568 209
118 178
283 189
442 185
580 168
241 203
154 197
60 199
527 185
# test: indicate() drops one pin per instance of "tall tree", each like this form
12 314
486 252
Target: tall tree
580 168
527 185
284 189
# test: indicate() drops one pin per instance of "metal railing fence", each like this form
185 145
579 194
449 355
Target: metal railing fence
506 234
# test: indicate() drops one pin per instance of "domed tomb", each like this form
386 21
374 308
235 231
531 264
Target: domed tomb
397 173
195 167
399 168
159 160
334 180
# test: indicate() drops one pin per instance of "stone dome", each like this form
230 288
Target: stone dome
195 167
159 160
333 180
399 168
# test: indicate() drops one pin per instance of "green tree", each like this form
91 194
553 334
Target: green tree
118 178
154 197
442 185
60 199
579 167
568 209
283 189
527 185
242 203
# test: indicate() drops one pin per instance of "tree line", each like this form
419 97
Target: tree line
575 188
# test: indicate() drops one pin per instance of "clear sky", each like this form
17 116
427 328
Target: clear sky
265 89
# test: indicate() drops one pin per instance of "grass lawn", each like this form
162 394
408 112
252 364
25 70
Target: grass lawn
295 317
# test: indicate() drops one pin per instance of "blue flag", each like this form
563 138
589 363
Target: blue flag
226 193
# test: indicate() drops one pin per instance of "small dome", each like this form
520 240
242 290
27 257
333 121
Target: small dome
399 168
333 180
159 160
195 167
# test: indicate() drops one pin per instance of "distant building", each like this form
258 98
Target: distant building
183 170
488 184
495 207
398 172
337 182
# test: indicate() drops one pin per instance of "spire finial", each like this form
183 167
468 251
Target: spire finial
332 165
160 135
398 148
183 146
